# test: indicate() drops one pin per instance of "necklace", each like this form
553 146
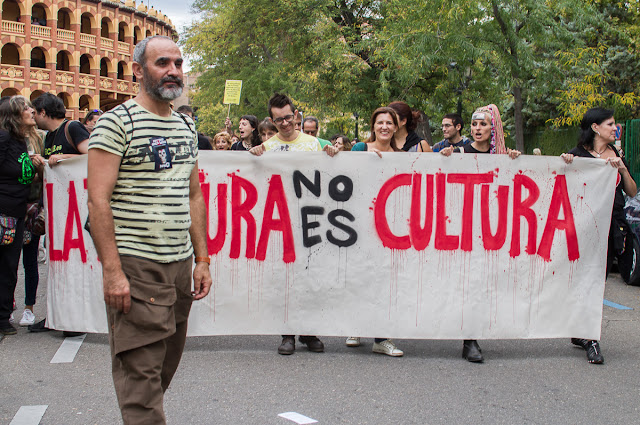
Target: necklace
601 152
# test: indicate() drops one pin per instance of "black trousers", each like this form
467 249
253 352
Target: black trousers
9 260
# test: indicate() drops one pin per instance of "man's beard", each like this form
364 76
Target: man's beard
157 90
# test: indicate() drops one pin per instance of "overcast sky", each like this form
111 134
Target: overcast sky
178 11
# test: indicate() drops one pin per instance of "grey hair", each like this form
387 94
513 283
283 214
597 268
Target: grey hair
314 119
139 52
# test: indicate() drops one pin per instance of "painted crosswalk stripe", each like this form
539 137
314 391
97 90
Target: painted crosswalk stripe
615 305
297 418
29 415
68 350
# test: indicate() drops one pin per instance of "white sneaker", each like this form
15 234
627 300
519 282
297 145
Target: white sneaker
11 318
353 341
387 347
28 318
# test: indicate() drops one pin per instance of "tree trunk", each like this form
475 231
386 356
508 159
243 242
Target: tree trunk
519 125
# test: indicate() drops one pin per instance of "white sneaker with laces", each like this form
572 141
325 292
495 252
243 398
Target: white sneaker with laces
353 341
387 347
28 318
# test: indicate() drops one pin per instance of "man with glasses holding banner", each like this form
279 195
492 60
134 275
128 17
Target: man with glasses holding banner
288 139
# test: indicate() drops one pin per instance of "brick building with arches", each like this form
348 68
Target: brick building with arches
79 50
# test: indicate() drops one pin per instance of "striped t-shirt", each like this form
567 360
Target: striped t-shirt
150 200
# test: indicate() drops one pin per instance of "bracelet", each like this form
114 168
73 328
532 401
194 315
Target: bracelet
203 260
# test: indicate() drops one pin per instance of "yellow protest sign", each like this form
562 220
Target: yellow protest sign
232 91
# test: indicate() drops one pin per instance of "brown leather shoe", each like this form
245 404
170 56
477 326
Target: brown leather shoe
312 343
288 345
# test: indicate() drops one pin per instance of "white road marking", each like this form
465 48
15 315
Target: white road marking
29 415
68 350
297 418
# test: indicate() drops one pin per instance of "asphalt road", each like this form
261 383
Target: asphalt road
242 380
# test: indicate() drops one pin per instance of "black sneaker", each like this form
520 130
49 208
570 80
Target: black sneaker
39 327
7 329
582 343
594 355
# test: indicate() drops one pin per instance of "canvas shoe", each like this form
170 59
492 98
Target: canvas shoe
353 341
387 347
28 318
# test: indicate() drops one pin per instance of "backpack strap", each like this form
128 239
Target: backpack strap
68 135
128 134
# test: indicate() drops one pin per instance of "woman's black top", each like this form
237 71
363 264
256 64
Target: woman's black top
411 140
16 174
618 201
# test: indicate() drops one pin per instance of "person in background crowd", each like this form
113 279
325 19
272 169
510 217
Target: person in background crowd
452 125
147 265
222 141
91 119
384 124
17 171
341 142
537 151
406 137
297 121
288 139
311 126
596 140
65 138
34 228
249 137
204 142
488 137
267 129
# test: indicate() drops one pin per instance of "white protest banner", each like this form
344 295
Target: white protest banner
403 246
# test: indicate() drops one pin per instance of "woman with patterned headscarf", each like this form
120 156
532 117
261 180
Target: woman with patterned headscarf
488 137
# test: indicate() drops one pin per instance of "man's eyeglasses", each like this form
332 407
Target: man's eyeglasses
280 120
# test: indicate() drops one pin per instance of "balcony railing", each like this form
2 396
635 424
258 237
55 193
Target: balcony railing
40 32
40 74
65 35
11 72
106 83
123 86
13 27
123 47
88 40
65 78
107 43
87 81
135 87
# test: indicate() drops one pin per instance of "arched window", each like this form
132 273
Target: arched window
85 23
85 64
10 55
35 94
62 60
38 59
104 30
121 70
9 91
64 19
137 35
104 67
84 102
65 98
10 11
122 30
38 15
